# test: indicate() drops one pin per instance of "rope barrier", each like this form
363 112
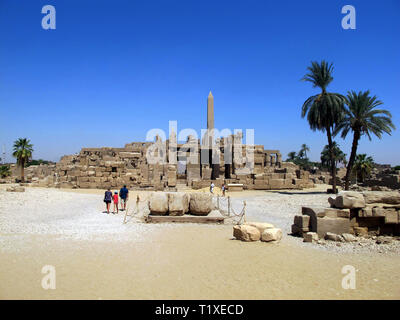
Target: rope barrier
135 210
229 214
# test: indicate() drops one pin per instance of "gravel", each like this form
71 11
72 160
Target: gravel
40 211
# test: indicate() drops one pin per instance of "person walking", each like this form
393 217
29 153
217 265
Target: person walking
212 187
115 198
223 189
124 194
107 199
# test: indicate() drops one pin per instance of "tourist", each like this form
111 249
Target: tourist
212 187
107 199
223 189
115 198
123 194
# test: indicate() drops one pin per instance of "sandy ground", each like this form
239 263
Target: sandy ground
96 256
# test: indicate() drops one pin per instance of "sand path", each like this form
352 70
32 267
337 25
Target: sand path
97 257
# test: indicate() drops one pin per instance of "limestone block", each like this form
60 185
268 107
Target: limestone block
271 234
332 236
334 225
261 226
276 183
378 212
296 230
365 213
337 213
246 233
349 200
360 231
302 221
391 216
349 237
310 237
15 189
200 204
158 203
178 203
391 197
313 212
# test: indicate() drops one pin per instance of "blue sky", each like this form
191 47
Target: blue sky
112 70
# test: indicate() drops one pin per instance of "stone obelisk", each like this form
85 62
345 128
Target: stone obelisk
214 163
210 111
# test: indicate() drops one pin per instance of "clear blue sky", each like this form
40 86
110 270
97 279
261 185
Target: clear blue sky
114 69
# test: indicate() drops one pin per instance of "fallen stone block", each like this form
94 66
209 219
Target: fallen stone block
200 204
360 231
332 236
349 237
15 189
336 213
178 203
332 201
302 221
272 234
334 225
313 212
296 230
310 237
391 216
246 233
349 200
158 203
378 212
261 226
391 197
366 212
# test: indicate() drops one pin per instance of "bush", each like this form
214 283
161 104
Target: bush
5 171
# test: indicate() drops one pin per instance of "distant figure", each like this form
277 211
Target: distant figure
212 187
115 197
223 189
124 194
107 199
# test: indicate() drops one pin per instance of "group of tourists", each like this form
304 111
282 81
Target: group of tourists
110 197
223 188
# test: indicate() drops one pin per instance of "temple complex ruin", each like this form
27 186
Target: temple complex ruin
166 165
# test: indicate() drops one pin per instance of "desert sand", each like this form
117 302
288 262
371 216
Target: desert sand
96 256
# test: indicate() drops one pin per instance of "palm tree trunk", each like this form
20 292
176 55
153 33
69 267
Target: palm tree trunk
353 154
332 156
22 173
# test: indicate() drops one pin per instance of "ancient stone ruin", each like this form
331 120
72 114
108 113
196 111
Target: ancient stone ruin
192 164
351 213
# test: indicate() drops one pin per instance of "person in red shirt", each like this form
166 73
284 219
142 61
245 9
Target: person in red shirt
115 199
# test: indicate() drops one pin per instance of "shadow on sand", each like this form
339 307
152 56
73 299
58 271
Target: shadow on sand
299 193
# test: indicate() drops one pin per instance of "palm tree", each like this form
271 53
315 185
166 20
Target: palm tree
339 156
363 166
303 151
362 118
291 156
325 109
23 152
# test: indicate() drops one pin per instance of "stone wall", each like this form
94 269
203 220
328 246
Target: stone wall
114 167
